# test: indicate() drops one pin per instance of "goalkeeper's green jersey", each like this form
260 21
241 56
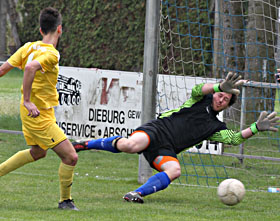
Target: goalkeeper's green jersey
190 124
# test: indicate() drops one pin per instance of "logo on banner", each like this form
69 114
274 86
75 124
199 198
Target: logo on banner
68 89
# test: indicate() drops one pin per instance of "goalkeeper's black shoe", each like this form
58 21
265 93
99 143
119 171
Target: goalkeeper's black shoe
79 146
134 197
67 205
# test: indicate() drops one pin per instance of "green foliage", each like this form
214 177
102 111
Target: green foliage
100 34
110 34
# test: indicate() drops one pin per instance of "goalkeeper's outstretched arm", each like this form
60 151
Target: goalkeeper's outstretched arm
265 122
229 85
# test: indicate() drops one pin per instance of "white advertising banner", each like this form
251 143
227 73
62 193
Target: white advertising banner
98 103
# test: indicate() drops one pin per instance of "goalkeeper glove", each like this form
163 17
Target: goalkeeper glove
266 122
228 85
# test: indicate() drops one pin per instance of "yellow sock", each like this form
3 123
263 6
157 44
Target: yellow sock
65 173
18 160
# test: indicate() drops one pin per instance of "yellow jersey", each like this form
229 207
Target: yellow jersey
43 94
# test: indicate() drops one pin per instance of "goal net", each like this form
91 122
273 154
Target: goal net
207 39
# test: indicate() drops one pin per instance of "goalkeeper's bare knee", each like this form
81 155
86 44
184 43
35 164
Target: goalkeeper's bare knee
129 146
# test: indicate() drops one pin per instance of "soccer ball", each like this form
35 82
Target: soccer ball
231 192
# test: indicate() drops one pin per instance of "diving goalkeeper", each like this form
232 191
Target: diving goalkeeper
160 140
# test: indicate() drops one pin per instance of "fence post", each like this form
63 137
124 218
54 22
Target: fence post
150 69
242 120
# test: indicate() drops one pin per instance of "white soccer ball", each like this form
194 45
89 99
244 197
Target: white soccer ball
231 191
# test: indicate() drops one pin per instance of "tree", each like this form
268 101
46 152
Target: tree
14 20
8 15
3 30
233 36
229 38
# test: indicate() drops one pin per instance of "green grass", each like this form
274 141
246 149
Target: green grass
10 85
101 179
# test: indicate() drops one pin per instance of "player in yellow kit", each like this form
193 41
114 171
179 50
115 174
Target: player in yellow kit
39 60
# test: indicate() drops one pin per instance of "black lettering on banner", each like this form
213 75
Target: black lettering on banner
117 131
80 130
138 115
68 129
132 114
98 115
87 127
112 131
74 127
90 114
104 116
123 131
116 116
105 134
92 131
62 126
122 117
89 130
108 116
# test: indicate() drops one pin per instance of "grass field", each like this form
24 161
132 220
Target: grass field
10 85
101 179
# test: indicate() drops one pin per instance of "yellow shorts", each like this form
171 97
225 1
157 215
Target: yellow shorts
42 130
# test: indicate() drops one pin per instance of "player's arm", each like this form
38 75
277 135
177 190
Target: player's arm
198 91
228 137
28 77
228 85
266 122
5 68
14 61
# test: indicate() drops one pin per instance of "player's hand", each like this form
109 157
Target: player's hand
230 83
268 122
32 109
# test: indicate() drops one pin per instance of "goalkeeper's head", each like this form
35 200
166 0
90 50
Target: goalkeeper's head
222 100
232 100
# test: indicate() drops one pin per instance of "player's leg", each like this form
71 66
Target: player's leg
137 142
169 169
25 156
69 158
107 144
37 152
52 137
21 158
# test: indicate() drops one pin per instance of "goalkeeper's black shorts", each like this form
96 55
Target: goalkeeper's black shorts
159 146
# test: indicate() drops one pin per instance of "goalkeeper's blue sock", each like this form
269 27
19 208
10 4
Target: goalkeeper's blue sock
107 144
154 184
